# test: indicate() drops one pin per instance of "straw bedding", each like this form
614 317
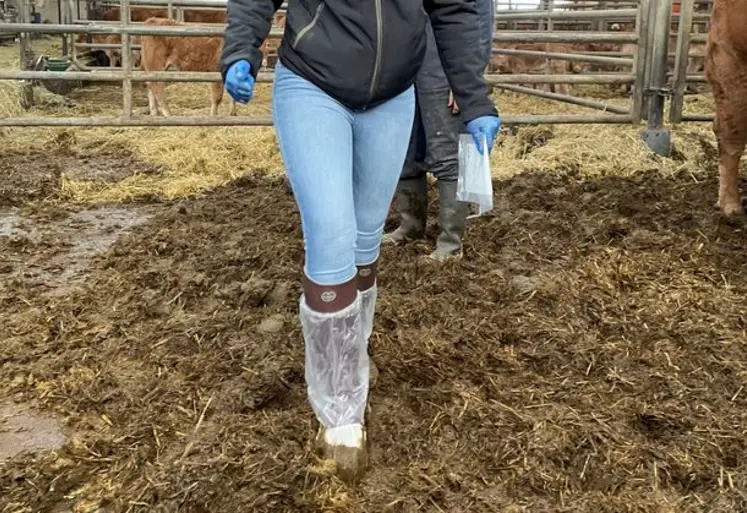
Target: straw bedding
587 355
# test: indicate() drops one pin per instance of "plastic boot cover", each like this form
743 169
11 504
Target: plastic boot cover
337 374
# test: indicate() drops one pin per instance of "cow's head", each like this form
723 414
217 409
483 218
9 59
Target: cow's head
499 64
577 67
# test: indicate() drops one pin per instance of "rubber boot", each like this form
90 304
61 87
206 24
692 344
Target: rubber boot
452 218
411 200
337 374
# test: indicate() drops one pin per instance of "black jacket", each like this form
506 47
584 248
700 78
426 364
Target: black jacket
365 52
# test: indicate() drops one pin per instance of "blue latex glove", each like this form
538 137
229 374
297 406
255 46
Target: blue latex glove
240 82
487 126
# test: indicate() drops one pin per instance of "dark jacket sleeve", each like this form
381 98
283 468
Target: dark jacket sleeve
486 13
456 26
249 24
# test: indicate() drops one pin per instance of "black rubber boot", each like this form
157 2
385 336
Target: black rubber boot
411 201
452 216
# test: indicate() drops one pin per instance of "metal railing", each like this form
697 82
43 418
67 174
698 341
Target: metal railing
647 65
680 78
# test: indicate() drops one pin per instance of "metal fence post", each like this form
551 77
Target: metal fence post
63 38
681 60
124 14
26 53
641 58
68 40
656 135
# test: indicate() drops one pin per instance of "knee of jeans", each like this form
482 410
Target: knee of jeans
330 255
367 245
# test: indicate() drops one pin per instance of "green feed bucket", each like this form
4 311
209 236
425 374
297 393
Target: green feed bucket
59 86
58 64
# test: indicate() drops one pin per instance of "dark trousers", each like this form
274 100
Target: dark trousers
434 143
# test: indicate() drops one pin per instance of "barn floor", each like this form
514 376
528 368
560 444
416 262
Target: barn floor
587 355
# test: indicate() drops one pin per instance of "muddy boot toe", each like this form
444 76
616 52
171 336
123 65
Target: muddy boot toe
347 447
452 216
411 201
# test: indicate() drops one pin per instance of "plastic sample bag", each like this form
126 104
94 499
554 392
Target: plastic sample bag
474 184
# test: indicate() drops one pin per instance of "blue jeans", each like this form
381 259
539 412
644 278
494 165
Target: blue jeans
343 168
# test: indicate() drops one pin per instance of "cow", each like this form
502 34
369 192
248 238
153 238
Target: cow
114 55
695 54
270 46
695 57
622 26
139 15
521 64
726 73
180 53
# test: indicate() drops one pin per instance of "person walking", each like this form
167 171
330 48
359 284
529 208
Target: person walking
343 106
434 147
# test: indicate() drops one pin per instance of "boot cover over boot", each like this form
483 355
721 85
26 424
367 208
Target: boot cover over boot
368 309
368 303
337 380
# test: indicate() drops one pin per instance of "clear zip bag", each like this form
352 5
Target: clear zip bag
475 184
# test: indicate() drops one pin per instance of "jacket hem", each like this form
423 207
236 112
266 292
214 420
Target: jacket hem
287 57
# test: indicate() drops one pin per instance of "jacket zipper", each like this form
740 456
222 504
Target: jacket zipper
377 64
305 30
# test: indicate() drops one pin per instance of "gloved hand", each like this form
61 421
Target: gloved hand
487 126
240 82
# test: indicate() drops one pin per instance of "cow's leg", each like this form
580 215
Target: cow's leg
730 127
152 105
728 78
159 91
217 97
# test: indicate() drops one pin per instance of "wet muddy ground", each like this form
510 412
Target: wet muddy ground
587 355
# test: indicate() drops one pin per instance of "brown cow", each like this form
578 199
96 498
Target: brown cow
520 64
696 52
726 72
137 14
113 54
140 14
180 53
695 59
270 47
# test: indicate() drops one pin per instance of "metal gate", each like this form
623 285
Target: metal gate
648 67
